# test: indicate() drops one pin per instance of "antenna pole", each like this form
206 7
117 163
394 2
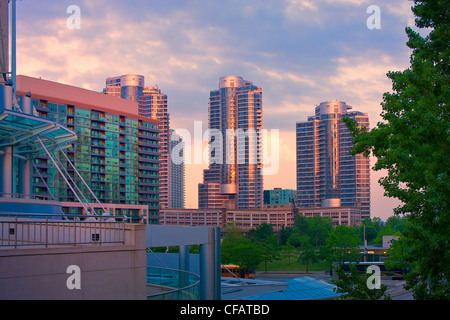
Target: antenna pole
13 45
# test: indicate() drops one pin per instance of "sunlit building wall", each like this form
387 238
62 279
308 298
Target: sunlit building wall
129 86
327 175
152 103
116 153
248 219
235 161
177 172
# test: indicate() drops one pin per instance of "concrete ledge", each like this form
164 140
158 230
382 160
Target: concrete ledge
161 236
106 271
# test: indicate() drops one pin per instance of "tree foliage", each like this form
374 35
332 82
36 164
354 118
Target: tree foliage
241 251
343 244
354 286
412 144
264 237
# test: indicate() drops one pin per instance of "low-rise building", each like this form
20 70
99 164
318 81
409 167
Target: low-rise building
248 219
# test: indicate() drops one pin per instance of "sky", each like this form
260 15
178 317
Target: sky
301 52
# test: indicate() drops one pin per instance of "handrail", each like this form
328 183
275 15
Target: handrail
191 290
40 229
65 215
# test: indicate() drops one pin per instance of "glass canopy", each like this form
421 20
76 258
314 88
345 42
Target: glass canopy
21 130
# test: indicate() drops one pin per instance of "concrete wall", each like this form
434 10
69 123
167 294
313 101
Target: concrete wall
107 272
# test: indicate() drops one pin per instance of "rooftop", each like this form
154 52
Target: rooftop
67 94
302 288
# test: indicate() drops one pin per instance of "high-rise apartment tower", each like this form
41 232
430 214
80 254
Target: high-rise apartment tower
177 173
327 175
234 178
153 104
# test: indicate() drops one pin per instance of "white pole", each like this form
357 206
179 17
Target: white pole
59 170
79 175
13 45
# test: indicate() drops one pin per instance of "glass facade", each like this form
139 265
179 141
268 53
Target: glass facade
278 196
153 104
177 173
117 156
236 163
325 169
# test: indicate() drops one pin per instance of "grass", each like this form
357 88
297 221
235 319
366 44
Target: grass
283 264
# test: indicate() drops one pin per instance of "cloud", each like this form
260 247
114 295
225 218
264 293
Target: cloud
361 80
302 52
402 10
296 10
353 2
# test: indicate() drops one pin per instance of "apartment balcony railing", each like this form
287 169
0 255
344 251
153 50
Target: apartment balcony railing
171 284
62 229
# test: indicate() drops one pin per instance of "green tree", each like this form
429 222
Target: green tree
241 251
307 252
300 224
283 235
385 231
394 226
296 239
412 144
265 238
354 286
372 228
289 251
261 232
233 229
396 223
343 244
269 250
319 229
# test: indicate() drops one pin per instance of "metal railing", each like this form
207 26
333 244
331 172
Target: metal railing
60 229
17 195
172 284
